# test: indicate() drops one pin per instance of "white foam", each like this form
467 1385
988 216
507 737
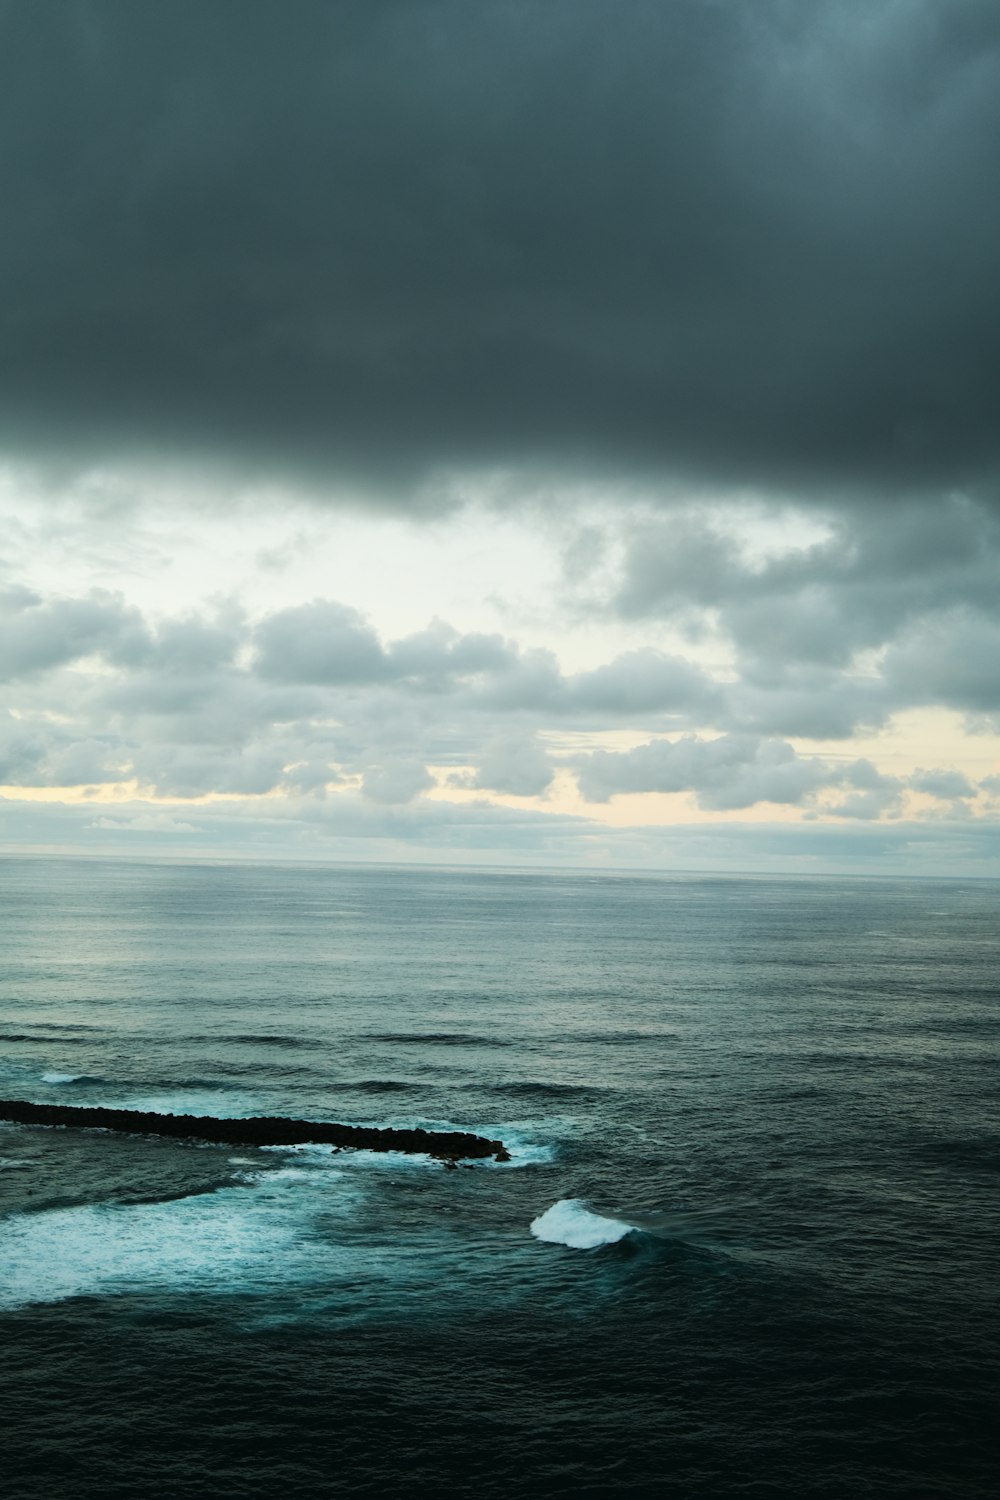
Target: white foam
524 1150
311 1175
570 1222
522 1153
352 1158
358 1159
308 1149
236 1239
61 1077
385 1161
99 1249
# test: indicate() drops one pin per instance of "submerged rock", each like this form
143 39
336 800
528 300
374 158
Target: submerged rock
262 1130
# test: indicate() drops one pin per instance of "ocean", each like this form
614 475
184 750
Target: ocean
746 1244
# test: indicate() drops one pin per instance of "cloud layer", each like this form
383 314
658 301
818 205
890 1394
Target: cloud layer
310 699
704 241
698 300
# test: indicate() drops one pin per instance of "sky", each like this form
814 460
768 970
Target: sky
502 432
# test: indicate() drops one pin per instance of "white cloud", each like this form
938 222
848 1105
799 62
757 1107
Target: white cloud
395 781
296 703
516 764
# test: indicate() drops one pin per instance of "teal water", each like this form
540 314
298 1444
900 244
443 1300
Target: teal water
746 1245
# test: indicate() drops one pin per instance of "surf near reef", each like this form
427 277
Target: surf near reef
262 1130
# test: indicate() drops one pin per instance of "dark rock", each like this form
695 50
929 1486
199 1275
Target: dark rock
269 1130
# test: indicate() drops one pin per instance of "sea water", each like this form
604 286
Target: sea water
746 1244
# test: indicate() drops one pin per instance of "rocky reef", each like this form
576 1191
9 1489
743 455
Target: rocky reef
263 1130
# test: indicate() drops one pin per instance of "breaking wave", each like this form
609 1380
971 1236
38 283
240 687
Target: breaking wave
570 1222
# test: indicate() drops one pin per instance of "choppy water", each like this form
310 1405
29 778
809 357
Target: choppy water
747 1245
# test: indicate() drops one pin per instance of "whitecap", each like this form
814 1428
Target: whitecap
100 1249
236 1239
312 1176
62 1077
524 1154
570 1222
521 1151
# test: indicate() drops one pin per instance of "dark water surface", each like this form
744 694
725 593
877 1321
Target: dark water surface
754 1124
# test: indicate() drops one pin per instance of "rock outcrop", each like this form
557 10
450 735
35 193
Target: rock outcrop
267 1130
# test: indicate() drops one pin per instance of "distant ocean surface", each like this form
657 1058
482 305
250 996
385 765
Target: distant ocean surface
747 1245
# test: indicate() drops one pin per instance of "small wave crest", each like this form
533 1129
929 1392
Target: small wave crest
433 1038
62 1026
57 1078
536 1089
570 1222
525 1150
264 1039
379 1086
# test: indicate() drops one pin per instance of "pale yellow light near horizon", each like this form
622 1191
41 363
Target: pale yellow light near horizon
920 739
480 568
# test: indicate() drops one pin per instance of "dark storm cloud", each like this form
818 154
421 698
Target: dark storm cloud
370 241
